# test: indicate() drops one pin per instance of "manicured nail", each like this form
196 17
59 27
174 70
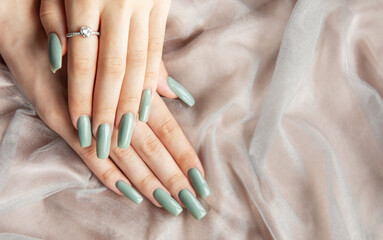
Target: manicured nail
104 135
54 52
167 202
84 131
125 131
146 100
129 192
199 183
192 204
181 92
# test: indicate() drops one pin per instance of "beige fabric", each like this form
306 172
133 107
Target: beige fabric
288 124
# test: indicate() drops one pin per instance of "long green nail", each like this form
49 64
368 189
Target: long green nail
125 131
54 52
104 135
199 183
167 202
192 204
129 192
181 92
146 100
84 131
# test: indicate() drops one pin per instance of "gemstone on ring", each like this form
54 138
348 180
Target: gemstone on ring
86 31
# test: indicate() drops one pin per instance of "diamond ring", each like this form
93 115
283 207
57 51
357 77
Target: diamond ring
84 31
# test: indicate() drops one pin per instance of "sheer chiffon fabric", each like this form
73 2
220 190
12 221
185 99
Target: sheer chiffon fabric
288 123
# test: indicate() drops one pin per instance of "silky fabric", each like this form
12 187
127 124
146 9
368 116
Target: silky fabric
288 124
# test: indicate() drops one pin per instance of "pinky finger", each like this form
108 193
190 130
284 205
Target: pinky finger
52 16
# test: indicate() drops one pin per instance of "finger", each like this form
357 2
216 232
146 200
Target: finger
162 85
132 86
158 159
110 71
167 129
139 173
170 88
82 58
157 24
52 15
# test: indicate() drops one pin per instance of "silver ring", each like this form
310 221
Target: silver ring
84 31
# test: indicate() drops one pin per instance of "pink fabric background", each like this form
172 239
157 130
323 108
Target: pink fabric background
288 124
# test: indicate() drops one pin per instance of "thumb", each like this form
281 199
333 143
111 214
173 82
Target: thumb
52 15
170 88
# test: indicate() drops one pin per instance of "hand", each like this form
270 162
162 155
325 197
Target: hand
126 56
160 159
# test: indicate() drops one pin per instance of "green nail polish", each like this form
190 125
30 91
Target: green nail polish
125 131
198 182
129 192
104 135
146 100
192 204
84 131
54 52
167 202
181 92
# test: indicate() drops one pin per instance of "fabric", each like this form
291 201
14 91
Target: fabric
288 124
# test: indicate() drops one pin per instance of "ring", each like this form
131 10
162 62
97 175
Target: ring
84 31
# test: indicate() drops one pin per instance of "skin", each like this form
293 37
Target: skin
23 49
107 74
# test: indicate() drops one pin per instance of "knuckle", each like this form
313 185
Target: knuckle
156 44
129 100
167 127
81 64
47 10
78 102
107 175
137 58
113 65
151 145
88 153
146 181
46 13
106 110
188 159
175 180
122 155
151 76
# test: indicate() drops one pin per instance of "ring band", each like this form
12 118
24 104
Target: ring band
84 31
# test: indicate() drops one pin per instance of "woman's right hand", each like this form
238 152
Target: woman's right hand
112 79
161 162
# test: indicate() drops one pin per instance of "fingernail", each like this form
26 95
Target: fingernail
199 183
192 204
181 92
146 100
54 52
125 131
103 141
167 202
84 131
129 192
